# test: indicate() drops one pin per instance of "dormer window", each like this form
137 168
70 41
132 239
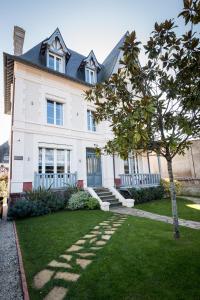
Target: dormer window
55 62
91 67
57 53
90 76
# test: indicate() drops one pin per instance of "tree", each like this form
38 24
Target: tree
156 106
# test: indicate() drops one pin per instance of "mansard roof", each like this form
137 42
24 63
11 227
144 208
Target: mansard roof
36 57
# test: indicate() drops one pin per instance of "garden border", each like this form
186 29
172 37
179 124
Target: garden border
21 266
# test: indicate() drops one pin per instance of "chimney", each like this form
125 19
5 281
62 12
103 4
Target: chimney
18 40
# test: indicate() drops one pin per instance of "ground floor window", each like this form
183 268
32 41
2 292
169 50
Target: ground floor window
131 165
54 160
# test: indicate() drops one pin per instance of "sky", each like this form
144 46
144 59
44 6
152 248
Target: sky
84 25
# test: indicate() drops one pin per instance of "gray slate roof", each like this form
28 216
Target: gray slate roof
73 71
75 60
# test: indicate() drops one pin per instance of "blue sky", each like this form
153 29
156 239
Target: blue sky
84 24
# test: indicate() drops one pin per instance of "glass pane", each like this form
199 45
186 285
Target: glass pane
50 112
126 167
59 114
58 63
61 169
93 122
51 62
88 119
49 161
87 76
60 156
40 161
68 161
92 77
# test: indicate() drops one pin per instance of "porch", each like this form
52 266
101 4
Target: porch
54 180
139 180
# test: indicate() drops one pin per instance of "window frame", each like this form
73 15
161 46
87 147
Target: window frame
88 78
43 163
56 57
61 119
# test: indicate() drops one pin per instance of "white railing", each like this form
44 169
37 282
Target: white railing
54 180
134 180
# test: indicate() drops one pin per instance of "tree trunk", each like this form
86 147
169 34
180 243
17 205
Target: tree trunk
173 200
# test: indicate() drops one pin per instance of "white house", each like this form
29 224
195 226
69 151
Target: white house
53 132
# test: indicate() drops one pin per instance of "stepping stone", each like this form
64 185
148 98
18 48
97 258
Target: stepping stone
100 243
106 237
42 278
67 276
74 248
104 223
57 264
86 254
57 293
96 227
83 263
116 225
95 248
67 257
80 242
96 232
93 240
89 236
109 231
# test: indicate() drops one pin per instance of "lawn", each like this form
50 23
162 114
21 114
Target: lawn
141 261
186 209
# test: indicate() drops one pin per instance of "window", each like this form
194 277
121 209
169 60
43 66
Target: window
54 113
131 165
53 160
91 121
90 76
55 62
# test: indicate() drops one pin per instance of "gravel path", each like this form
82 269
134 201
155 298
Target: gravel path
152 216
10 282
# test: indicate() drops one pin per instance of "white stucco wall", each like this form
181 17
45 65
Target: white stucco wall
30 129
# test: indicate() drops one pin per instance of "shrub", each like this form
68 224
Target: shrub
92 203
78 200
20 209
166 185
146 194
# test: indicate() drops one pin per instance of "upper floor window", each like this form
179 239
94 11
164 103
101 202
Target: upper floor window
55 62
91 121
90 76
54 112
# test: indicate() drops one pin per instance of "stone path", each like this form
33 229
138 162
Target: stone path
69 265
193 199
10 281
152 216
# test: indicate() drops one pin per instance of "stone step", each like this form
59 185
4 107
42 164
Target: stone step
115 204
104 194
107 196
109 199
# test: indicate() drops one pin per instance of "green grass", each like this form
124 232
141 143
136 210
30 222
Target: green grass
163 207
141 261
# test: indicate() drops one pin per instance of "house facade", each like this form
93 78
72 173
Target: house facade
53 131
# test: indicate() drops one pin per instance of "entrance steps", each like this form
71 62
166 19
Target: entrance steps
106 196
109 197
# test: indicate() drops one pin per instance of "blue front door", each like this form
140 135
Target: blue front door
94 175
